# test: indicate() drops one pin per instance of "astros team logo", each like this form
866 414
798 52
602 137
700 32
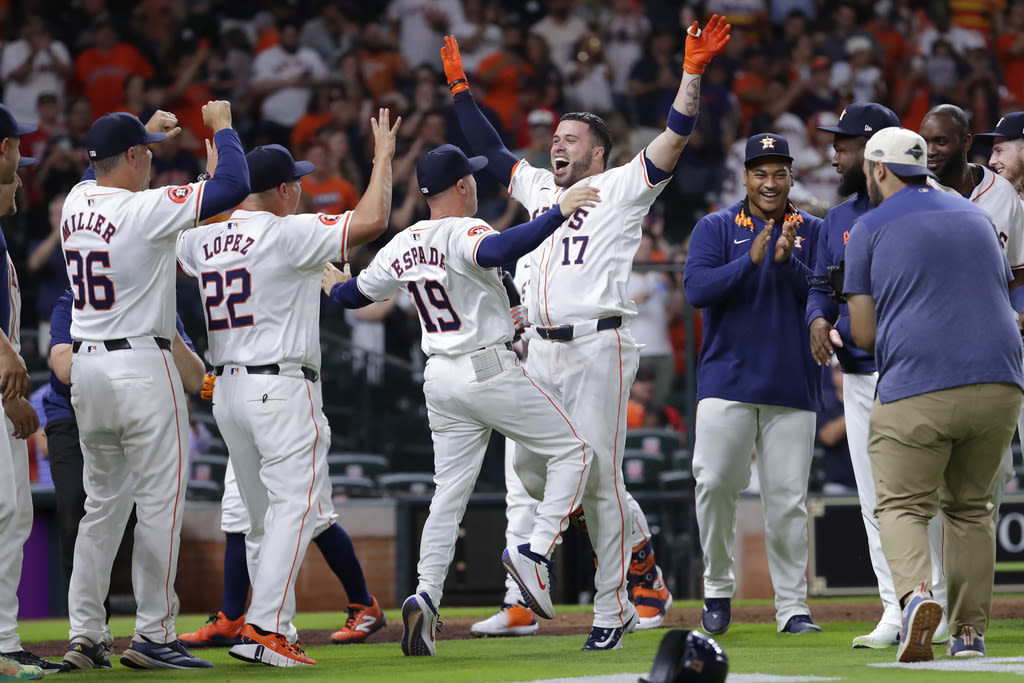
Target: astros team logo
767 142
179 194
842 115
478 230
328 220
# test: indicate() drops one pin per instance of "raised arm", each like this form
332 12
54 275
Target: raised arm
480 134
230 183
701 46
370 217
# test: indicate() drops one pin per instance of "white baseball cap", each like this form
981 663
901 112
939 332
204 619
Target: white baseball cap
902 150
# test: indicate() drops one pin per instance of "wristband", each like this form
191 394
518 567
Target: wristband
458 85
203 176
681 124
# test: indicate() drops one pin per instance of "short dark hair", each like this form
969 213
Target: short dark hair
598 127
106 166
954 112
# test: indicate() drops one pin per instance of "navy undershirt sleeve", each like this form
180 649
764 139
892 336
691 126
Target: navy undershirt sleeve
230 183
483 139
348 295
501 248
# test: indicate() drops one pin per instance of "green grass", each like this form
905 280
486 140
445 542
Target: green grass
752 648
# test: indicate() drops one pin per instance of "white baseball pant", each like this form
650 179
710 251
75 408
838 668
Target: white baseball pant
15 527
277 438
726 435
520 509
591 376
462 412
133 427
858 395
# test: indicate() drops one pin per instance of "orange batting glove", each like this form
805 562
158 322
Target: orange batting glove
701 46
453 71
206 393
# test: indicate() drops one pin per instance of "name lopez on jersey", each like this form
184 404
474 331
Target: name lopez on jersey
417 256
97 223
231 242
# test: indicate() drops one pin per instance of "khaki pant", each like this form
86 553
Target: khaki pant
942 450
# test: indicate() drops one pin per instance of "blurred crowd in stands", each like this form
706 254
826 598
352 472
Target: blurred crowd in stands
309 73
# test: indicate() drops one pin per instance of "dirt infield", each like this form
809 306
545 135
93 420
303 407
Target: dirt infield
579 622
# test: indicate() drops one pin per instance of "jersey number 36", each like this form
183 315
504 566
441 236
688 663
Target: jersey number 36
90 286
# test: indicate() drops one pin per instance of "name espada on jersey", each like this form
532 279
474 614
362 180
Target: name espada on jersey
462 306
582 271
259 279
119 253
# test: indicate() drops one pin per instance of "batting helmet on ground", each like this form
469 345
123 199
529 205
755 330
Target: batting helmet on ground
688 657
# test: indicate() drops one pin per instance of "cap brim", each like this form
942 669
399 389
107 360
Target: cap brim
997 134
477 164
834 129
26 161
23 129
909 170
759 157
303 168
154 137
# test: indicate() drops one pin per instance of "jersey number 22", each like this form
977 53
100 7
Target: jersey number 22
238 285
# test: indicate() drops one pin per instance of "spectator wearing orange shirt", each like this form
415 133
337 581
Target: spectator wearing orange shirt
381 63
501 74
327 191
1010 50
101 70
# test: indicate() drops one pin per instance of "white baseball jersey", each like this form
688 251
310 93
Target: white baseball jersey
119 250
463 307
591 254
998 197
257 310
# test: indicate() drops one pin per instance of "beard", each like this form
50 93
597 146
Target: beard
874 191
577 171
852 182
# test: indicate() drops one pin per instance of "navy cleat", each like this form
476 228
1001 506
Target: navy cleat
716 617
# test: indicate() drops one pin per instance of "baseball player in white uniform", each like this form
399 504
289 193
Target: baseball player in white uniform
259 275
581 349
946 131
15 495
473 382
118 241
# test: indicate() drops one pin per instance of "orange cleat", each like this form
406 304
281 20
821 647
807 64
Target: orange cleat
362 622
218 632
271 649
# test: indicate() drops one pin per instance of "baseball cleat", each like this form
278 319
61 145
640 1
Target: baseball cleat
363 621
716 616
610 638
968 644
271 649
11 670
510 620
143 653
26 658
218 632
85 654
652 603
884 635
801 623
532 572
420 622
921 616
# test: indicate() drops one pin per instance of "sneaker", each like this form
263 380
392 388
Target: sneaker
533 574
271 649
363 621
511 620
716 617
143 653
11 670
218 632
610 638
941 636
921 616
28 659
885 635
652 603
85 654
420 622
967 644
801 623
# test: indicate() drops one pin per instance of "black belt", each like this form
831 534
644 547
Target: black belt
122 344
272 369
564 332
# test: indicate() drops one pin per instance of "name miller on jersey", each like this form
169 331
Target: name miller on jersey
96 224
416 256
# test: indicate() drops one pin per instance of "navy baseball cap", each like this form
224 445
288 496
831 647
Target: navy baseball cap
863 119
903 151
271 165
9 128
1010 126
112 134
767 145
443 166
25 161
